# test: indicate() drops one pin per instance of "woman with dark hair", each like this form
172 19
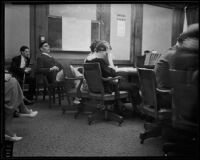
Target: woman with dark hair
104 58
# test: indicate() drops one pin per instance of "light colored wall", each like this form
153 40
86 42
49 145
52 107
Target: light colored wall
120 31
157 28
17 28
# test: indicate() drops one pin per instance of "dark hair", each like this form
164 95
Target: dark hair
41 44
93 45
102 46
23 48
147 51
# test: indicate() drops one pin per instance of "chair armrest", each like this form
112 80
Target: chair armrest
77 78
112 78
163 90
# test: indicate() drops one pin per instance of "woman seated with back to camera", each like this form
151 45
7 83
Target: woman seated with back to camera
102 54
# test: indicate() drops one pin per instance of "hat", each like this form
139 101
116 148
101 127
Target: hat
41 44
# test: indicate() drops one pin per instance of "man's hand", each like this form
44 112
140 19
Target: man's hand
54 68
27 70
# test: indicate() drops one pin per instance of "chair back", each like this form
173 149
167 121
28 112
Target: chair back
92 74
148 90
180 76
185 106
184 100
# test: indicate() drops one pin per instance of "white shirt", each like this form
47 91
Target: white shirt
23 62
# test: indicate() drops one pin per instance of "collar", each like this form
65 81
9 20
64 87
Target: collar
46 54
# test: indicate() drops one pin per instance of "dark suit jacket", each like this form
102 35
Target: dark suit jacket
44 63
15 67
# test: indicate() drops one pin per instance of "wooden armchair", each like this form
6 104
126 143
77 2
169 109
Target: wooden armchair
7 149
94 79
184 127
72 92
149 104
51 88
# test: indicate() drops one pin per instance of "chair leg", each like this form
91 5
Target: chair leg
80 109
44 93
94 116
59 96
69 102
116 117
49 93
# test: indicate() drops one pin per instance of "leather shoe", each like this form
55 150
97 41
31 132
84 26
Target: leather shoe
16 114
13 138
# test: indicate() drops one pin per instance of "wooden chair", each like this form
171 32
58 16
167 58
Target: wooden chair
51 88
94 79
149 104
72 92
7 149
184 116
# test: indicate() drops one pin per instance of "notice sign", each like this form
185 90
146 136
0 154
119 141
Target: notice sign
121 21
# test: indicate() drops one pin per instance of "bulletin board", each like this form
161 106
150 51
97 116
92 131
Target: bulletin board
120 31
72 34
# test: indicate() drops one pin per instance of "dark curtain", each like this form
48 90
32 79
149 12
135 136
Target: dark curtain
177 24
192 14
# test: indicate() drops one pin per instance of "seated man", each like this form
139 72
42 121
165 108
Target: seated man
20 68
103 56
14 101
48 66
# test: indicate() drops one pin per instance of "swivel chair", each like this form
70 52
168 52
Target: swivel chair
94 79
150 107
184 128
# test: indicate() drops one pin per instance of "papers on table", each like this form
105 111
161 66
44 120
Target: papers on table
126 69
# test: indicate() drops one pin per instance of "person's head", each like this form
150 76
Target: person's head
103 46
146 52
24 50
44 47
191 35
93 45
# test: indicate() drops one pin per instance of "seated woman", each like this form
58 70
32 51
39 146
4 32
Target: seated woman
14 101
104 57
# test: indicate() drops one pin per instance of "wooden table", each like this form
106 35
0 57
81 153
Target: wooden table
130 73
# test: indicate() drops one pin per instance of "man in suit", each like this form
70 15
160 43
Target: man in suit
21 70
48 66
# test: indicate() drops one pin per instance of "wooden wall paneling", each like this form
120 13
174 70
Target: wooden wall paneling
136 31
177 24
103 16
38 26
41 13
32 34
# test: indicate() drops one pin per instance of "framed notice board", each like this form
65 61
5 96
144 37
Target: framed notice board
71 34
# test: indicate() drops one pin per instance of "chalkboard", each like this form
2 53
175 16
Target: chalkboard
70 34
